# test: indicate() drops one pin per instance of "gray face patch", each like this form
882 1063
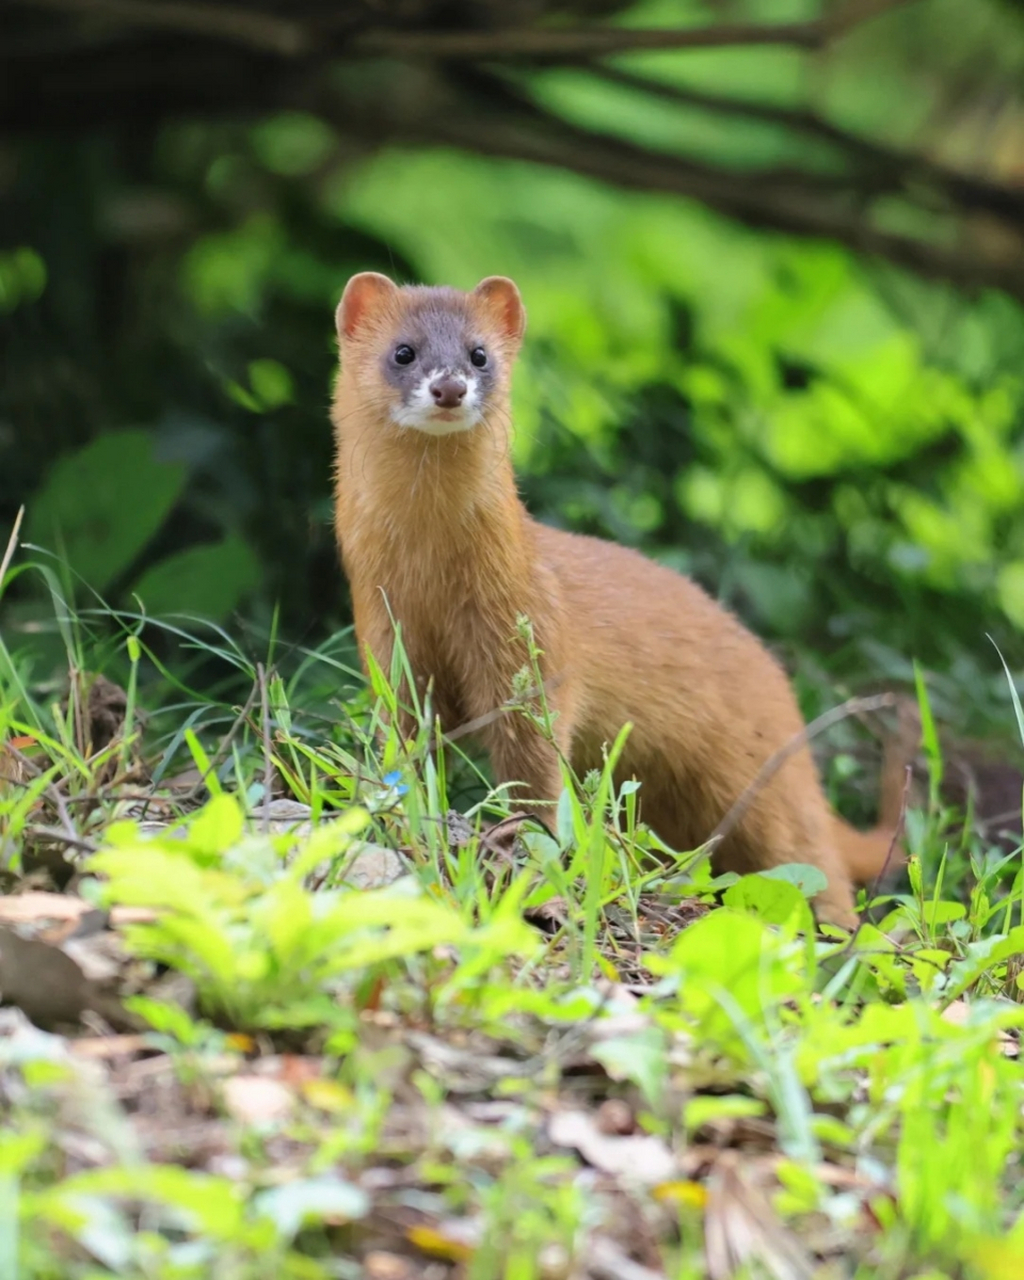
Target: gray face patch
439 331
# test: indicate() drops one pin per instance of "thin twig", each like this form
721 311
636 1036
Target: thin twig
268 764
62 837
897 832
591 42
552 42
897 836
112 791
12 546
480 722
774 763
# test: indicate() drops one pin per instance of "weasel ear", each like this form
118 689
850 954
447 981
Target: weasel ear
363 294
502 301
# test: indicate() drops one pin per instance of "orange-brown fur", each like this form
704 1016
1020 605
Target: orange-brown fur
432 529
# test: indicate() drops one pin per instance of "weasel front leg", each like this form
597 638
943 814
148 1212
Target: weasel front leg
520 754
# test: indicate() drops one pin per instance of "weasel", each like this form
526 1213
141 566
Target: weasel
433 535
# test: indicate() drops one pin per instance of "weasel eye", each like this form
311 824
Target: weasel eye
478 356
404 355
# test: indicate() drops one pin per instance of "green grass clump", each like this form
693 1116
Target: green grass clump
563 1054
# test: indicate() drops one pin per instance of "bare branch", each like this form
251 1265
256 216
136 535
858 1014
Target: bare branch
797 203
58 836
259 61
807 122
258 30
797 743
593 42
583 42
889 162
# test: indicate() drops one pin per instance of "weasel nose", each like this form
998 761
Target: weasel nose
448 392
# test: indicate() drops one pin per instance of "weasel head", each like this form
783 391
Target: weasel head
430 360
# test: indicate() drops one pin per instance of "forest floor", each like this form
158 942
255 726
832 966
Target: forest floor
283 1011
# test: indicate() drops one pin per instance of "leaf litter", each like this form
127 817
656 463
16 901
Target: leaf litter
404 1108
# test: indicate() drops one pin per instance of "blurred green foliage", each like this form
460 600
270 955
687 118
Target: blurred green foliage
835 448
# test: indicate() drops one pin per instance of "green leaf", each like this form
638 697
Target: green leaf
104 1231
216 827
104 503
361 928
169 1019
271 383
982 956
942 912
731 1106
208 581
732 952
228 271
22 277
18 1150
293 143
807 878
1018 710
206 1203
311 1200
1010 589
929 734
773 899
640 1057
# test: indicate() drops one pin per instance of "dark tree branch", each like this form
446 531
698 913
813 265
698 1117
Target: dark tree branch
258 30
885 165
584 42
772 200
806 122
288 38
81 64
563 44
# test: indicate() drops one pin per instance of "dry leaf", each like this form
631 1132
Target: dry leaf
13 770
294 1069
607 1261
442 1241
742 1227
105 1047
959 1013
692 1195
257 1100
640 1157
328 1095
41 908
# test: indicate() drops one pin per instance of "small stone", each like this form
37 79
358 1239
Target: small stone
615 1116
379 1265
554 1263
256 1100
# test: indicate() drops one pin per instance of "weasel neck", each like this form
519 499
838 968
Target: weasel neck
423 498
